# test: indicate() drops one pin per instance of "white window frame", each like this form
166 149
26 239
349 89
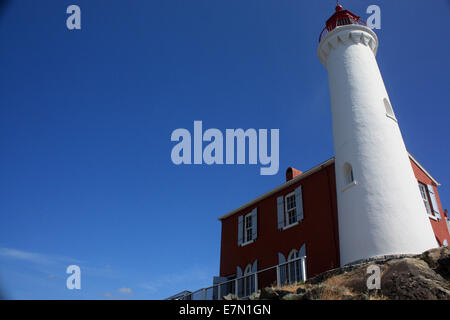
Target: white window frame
425 198
349 176
246 229
248 281
389 110
286 212
293 266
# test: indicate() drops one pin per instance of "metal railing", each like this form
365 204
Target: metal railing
326 30
290 272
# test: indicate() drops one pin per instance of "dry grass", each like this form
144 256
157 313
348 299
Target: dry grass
333 288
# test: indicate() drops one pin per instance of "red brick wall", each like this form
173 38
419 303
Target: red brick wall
318 229
439 227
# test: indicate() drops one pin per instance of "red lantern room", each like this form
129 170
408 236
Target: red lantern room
340 18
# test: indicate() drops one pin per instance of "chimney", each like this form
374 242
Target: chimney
291 173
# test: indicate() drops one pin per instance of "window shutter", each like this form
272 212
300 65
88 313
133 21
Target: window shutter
254 223
240 229
434 201
255 266
299 203
302 251
280 212
283 273
240 283
281 258
254 270
238 272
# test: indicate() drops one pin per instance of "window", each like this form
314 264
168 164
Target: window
348 174
293 267
424 194
434 203
291 209
248 228
343 22
249 281
389 110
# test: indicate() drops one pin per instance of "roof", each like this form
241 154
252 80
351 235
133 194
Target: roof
281 187
302 176
423 169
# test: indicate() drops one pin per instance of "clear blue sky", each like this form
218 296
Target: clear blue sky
86 117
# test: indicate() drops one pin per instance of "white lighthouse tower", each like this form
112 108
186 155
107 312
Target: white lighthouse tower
380 210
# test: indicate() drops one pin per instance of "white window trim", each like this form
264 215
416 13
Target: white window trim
290 226
388 108
391 117
286 214
248 242
350 185
245 229
291 253
296 254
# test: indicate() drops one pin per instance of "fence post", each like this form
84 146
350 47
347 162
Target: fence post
236 287
303 269
278 275
219 297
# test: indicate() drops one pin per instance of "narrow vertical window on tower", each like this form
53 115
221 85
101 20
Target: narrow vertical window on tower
348 174
389 110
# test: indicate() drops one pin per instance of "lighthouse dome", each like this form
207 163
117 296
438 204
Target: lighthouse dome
340 18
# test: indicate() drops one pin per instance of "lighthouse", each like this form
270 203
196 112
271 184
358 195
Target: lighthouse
380 209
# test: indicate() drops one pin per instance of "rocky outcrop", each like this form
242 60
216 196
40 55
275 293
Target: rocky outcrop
419 277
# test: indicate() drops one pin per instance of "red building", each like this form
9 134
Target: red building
300 218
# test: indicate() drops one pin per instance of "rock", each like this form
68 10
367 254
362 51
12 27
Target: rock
403 277
301 290
272 294
268 294
439 260
282 293
361 296
294 296
410 278
255 295
230 296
